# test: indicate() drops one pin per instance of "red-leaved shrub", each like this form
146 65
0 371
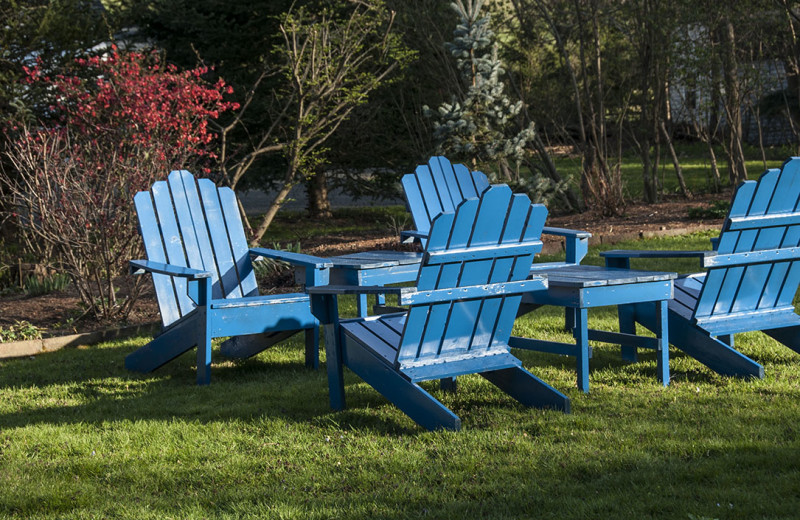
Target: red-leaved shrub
118 122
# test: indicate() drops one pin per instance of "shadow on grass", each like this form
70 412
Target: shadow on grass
91 385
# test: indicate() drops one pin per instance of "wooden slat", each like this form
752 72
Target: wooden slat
727 244
764 194
783 279
440 168
201 231
518 228
791 277
416 202
443 315
480 181
447 183
173 243
154 247
755 278
238 241
468 323
223 254
180 204
765 221
486 252
465 182
362 330
433 206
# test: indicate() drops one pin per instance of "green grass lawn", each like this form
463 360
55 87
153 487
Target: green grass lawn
695 164
80 437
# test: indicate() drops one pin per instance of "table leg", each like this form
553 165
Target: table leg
581 334
569 319
362 305
627 325
662 333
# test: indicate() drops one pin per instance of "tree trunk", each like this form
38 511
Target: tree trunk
268 217
714 166
737 170
319 206
675 162
648 180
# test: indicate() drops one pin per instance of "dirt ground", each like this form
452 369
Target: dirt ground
55 313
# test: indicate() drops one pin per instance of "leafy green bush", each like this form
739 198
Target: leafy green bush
36 286
19 331
717 209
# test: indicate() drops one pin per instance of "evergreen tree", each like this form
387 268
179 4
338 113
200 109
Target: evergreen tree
479 124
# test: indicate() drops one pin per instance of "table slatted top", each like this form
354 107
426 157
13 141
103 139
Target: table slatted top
596 276
576 276
374 259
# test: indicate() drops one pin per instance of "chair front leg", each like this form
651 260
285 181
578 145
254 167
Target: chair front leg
203 330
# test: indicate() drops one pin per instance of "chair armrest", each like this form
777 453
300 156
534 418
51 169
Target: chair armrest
292 258
409 236
146 266
576 243
564 232
336 290
325 298
621 257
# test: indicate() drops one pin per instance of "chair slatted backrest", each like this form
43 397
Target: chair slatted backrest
439 187
192 223
762 217
489 232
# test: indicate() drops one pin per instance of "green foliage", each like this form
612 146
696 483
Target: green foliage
39 285
19 331
717 209
54 31
479 124
476 124
266 267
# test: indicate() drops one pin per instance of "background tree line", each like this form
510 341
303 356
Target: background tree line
600 75
327 90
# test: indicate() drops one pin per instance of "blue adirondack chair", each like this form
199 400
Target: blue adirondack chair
751 279
204 281
462 309
440 186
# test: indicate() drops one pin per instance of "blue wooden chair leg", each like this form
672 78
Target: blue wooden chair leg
448 384
411 398
789 336
528 389
203 358
312 347
727 339
581 334
333 354
203 333
711 352
627 325
689 338
662 333
164 348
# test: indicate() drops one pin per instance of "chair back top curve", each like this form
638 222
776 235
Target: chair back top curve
191 223
490 240
764 217
438 187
